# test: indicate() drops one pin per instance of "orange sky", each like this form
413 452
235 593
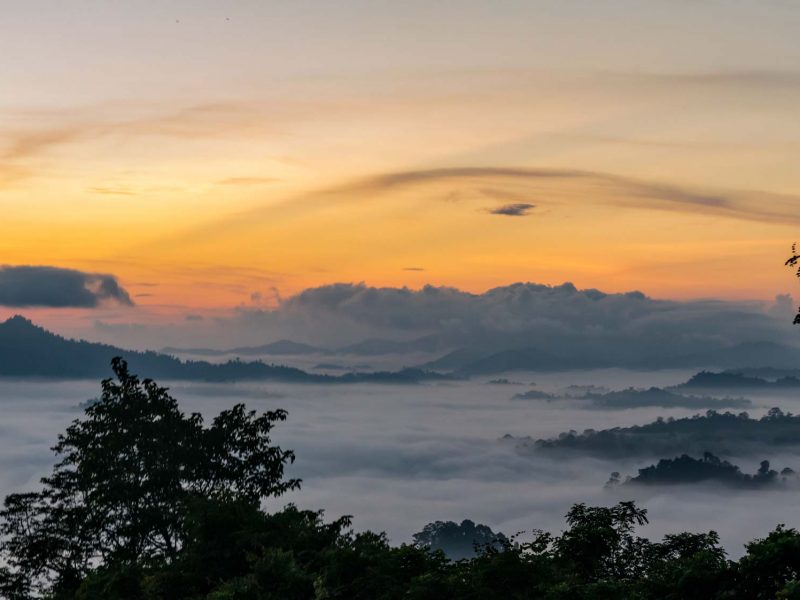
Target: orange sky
203 155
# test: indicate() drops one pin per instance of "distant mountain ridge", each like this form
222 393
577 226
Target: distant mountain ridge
469 361
497 356
375 346
279 348
27 350
731 380
367 347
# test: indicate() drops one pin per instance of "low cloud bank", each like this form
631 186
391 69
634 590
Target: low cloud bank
522 326
556 324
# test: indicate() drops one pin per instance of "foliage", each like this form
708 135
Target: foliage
126 475
794 262
710 468
458 541
722 433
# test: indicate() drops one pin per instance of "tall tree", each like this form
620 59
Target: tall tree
794 262
127 474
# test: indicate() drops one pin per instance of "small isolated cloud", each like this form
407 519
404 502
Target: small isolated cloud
413 268
54 287
519 209
192 317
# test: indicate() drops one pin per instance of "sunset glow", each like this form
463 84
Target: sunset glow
207 154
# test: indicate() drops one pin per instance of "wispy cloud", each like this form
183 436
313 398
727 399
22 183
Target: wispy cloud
28 143
247 181
21 146
625 190
107 191
555 189
752 78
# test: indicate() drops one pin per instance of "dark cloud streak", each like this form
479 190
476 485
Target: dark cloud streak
519 209
752 205
54 287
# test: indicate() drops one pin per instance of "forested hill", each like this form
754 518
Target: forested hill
27 350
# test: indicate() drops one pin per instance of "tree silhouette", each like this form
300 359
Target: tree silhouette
794 262
458 541
600 542
127 474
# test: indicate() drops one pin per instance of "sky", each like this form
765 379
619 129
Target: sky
193 159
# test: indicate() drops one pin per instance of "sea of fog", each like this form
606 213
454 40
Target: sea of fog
397 457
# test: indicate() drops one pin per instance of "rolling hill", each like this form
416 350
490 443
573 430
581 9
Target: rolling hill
27 350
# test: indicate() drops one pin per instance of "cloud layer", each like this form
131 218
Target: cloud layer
519 307
54 287
562 320
556 326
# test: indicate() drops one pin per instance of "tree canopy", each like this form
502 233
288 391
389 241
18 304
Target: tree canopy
127 475
458 541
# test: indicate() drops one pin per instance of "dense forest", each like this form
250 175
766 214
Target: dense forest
735 380
726 434
709 468
146 502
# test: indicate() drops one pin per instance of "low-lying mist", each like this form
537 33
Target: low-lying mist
397 457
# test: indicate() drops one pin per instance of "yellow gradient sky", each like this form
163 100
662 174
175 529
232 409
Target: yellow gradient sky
206 151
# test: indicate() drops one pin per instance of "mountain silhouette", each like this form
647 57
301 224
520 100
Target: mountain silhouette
279 348
375 346
470 361
27 350
367 347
